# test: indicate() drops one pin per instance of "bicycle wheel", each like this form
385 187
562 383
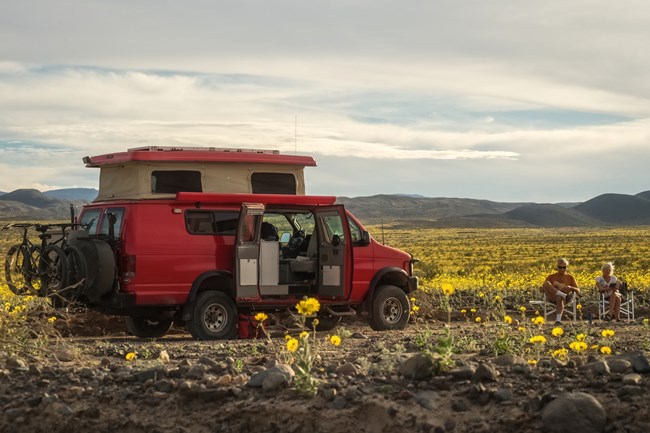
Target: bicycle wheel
52 270
35 283
18 269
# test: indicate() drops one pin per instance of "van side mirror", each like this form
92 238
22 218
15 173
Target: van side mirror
365 239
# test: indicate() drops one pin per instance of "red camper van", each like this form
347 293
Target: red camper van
200 236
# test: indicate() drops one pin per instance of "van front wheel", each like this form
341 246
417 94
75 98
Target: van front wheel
214 316
390 309
148 327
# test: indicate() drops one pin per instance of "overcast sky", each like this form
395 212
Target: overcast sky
544 101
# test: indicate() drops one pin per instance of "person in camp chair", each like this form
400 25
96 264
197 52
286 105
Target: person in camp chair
609 286
560 288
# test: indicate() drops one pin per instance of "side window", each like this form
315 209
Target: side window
173 181
332 225
119 213
273 183
90 220
215 223
355 231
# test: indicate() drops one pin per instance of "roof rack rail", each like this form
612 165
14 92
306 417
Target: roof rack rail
199 149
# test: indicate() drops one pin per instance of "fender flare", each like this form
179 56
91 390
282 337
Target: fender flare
400 275
198 282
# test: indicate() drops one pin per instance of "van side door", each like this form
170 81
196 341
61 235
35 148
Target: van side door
334 252
247 250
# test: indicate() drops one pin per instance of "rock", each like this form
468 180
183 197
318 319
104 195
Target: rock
417 367
459 405
151 374
275 380
35 370
65 355
163 385
373 416
619 365
163 356
257 380
598 367
329 394
339 402
574 412
224 380
347 369
405 395
475 391
503 395
632 379
630 390
485 372
428 399
359 336
17 364
509 359
639 363
196 372
464 372
87 373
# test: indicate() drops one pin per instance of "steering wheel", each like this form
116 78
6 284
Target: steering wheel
296 240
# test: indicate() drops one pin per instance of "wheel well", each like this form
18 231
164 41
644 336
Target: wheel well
217 280
388 276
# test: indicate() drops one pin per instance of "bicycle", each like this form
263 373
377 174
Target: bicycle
39 270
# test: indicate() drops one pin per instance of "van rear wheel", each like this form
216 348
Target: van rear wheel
390 309
214 316
148 327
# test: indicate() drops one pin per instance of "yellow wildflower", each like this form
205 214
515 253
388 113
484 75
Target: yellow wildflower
473 310
522 309
578 346
579 306
51 319
539 320
292 345
581 337
481 295
261 317
463 311
557 332
532 362
448 289
287 337
308 306
538 339
497 298
478 319
560 353
415 308
521 329
607 333
335 340
303 335
130 356
605 350
507 319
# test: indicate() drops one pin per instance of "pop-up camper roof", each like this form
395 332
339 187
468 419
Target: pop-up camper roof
161 172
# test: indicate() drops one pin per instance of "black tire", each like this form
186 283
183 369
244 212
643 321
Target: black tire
214 316
325 323
390 309
103 271
18 269
148 327
52 269
76 275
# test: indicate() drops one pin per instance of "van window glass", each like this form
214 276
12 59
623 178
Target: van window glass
355 231
90 220
332 225
119 213
173 181
273 183
215 223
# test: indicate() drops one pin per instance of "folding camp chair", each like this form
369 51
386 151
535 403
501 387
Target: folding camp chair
550 308
627 303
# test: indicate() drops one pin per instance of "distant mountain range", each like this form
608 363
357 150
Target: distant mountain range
604 210
404 209
33 205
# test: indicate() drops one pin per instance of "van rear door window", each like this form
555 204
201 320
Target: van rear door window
273 183
119 217
90 220
173 181
215 223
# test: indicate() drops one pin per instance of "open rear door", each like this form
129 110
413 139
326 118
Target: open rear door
334 252
247 250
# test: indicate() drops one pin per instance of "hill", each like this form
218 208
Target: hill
31 204
390 207
644 194
617 209
551 215
74 194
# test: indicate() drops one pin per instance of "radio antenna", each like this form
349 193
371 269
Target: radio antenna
295 134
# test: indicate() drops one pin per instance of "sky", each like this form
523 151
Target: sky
518 101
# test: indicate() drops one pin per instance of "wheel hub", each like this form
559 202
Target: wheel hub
392 310
215 317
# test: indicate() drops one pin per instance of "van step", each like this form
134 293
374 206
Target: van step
347 312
